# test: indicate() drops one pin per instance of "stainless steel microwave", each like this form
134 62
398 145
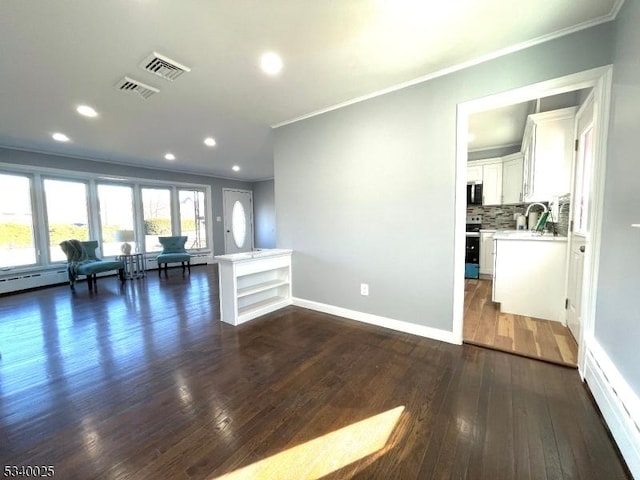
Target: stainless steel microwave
474 194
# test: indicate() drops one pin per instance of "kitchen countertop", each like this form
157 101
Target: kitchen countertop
527 235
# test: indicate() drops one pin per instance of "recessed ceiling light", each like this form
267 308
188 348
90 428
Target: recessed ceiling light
271 63
170 156
60 137
235 168
87 111
210 142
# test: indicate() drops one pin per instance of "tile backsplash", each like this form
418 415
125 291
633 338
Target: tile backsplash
500 217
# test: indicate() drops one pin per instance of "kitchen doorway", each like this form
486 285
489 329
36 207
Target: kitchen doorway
600 81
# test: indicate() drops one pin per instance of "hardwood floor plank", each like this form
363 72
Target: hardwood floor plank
145 382
485 325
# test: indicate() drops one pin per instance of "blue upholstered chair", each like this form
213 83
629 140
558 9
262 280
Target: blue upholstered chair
173 251
82 260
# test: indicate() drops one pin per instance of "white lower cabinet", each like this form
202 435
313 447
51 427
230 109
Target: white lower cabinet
486 252
529 277
253 284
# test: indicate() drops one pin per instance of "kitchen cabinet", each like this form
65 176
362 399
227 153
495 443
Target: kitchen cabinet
486 252
529 275
474 174
492 183
547 149
253 284
489 173
512 176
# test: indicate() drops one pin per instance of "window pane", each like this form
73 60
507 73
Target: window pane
192 218
238 224
17 246
156 203
116 215
583 181
66 214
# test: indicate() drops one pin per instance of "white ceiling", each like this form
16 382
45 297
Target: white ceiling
58 54
501 127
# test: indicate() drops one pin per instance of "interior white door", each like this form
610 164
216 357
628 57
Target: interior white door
574 296
238 220
579 215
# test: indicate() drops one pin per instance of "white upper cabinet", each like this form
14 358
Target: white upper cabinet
474 174
547 148
492 183
512 179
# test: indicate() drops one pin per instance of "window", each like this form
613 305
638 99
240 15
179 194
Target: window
192 218
67 214
116 215
238 224
156 205
39 210
17 244
583 181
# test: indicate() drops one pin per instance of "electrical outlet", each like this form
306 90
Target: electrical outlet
364 289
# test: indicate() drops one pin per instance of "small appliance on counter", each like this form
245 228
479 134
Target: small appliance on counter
533 220
521 222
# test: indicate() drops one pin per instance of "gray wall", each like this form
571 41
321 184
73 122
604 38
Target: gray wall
82 165
264 208
366 193
617 326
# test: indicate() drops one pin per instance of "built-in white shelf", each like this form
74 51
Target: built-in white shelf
261 287
254 310
253 284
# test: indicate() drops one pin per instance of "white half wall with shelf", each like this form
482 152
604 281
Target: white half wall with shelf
253 284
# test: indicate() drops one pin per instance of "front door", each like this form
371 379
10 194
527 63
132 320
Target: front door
238 220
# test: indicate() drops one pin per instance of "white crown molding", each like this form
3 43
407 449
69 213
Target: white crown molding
461 66
496 147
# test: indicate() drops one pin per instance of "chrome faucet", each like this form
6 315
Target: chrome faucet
536 203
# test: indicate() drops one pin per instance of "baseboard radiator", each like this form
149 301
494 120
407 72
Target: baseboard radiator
24 281
619 404
196 259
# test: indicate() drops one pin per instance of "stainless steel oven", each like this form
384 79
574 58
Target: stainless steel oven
472 247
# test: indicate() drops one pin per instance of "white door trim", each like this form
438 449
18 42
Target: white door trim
225 225
600 80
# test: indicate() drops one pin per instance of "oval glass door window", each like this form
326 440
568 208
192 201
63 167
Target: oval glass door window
238 224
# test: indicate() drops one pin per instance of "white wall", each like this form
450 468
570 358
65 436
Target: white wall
367 193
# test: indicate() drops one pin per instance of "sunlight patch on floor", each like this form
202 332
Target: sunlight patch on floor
321 456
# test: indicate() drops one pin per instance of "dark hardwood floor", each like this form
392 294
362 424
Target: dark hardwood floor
147 383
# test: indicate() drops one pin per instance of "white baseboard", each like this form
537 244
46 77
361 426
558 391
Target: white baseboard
619 405
420 330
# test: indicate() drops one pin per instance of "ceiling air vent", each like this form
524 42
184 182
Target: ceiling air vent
163 67
129 85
